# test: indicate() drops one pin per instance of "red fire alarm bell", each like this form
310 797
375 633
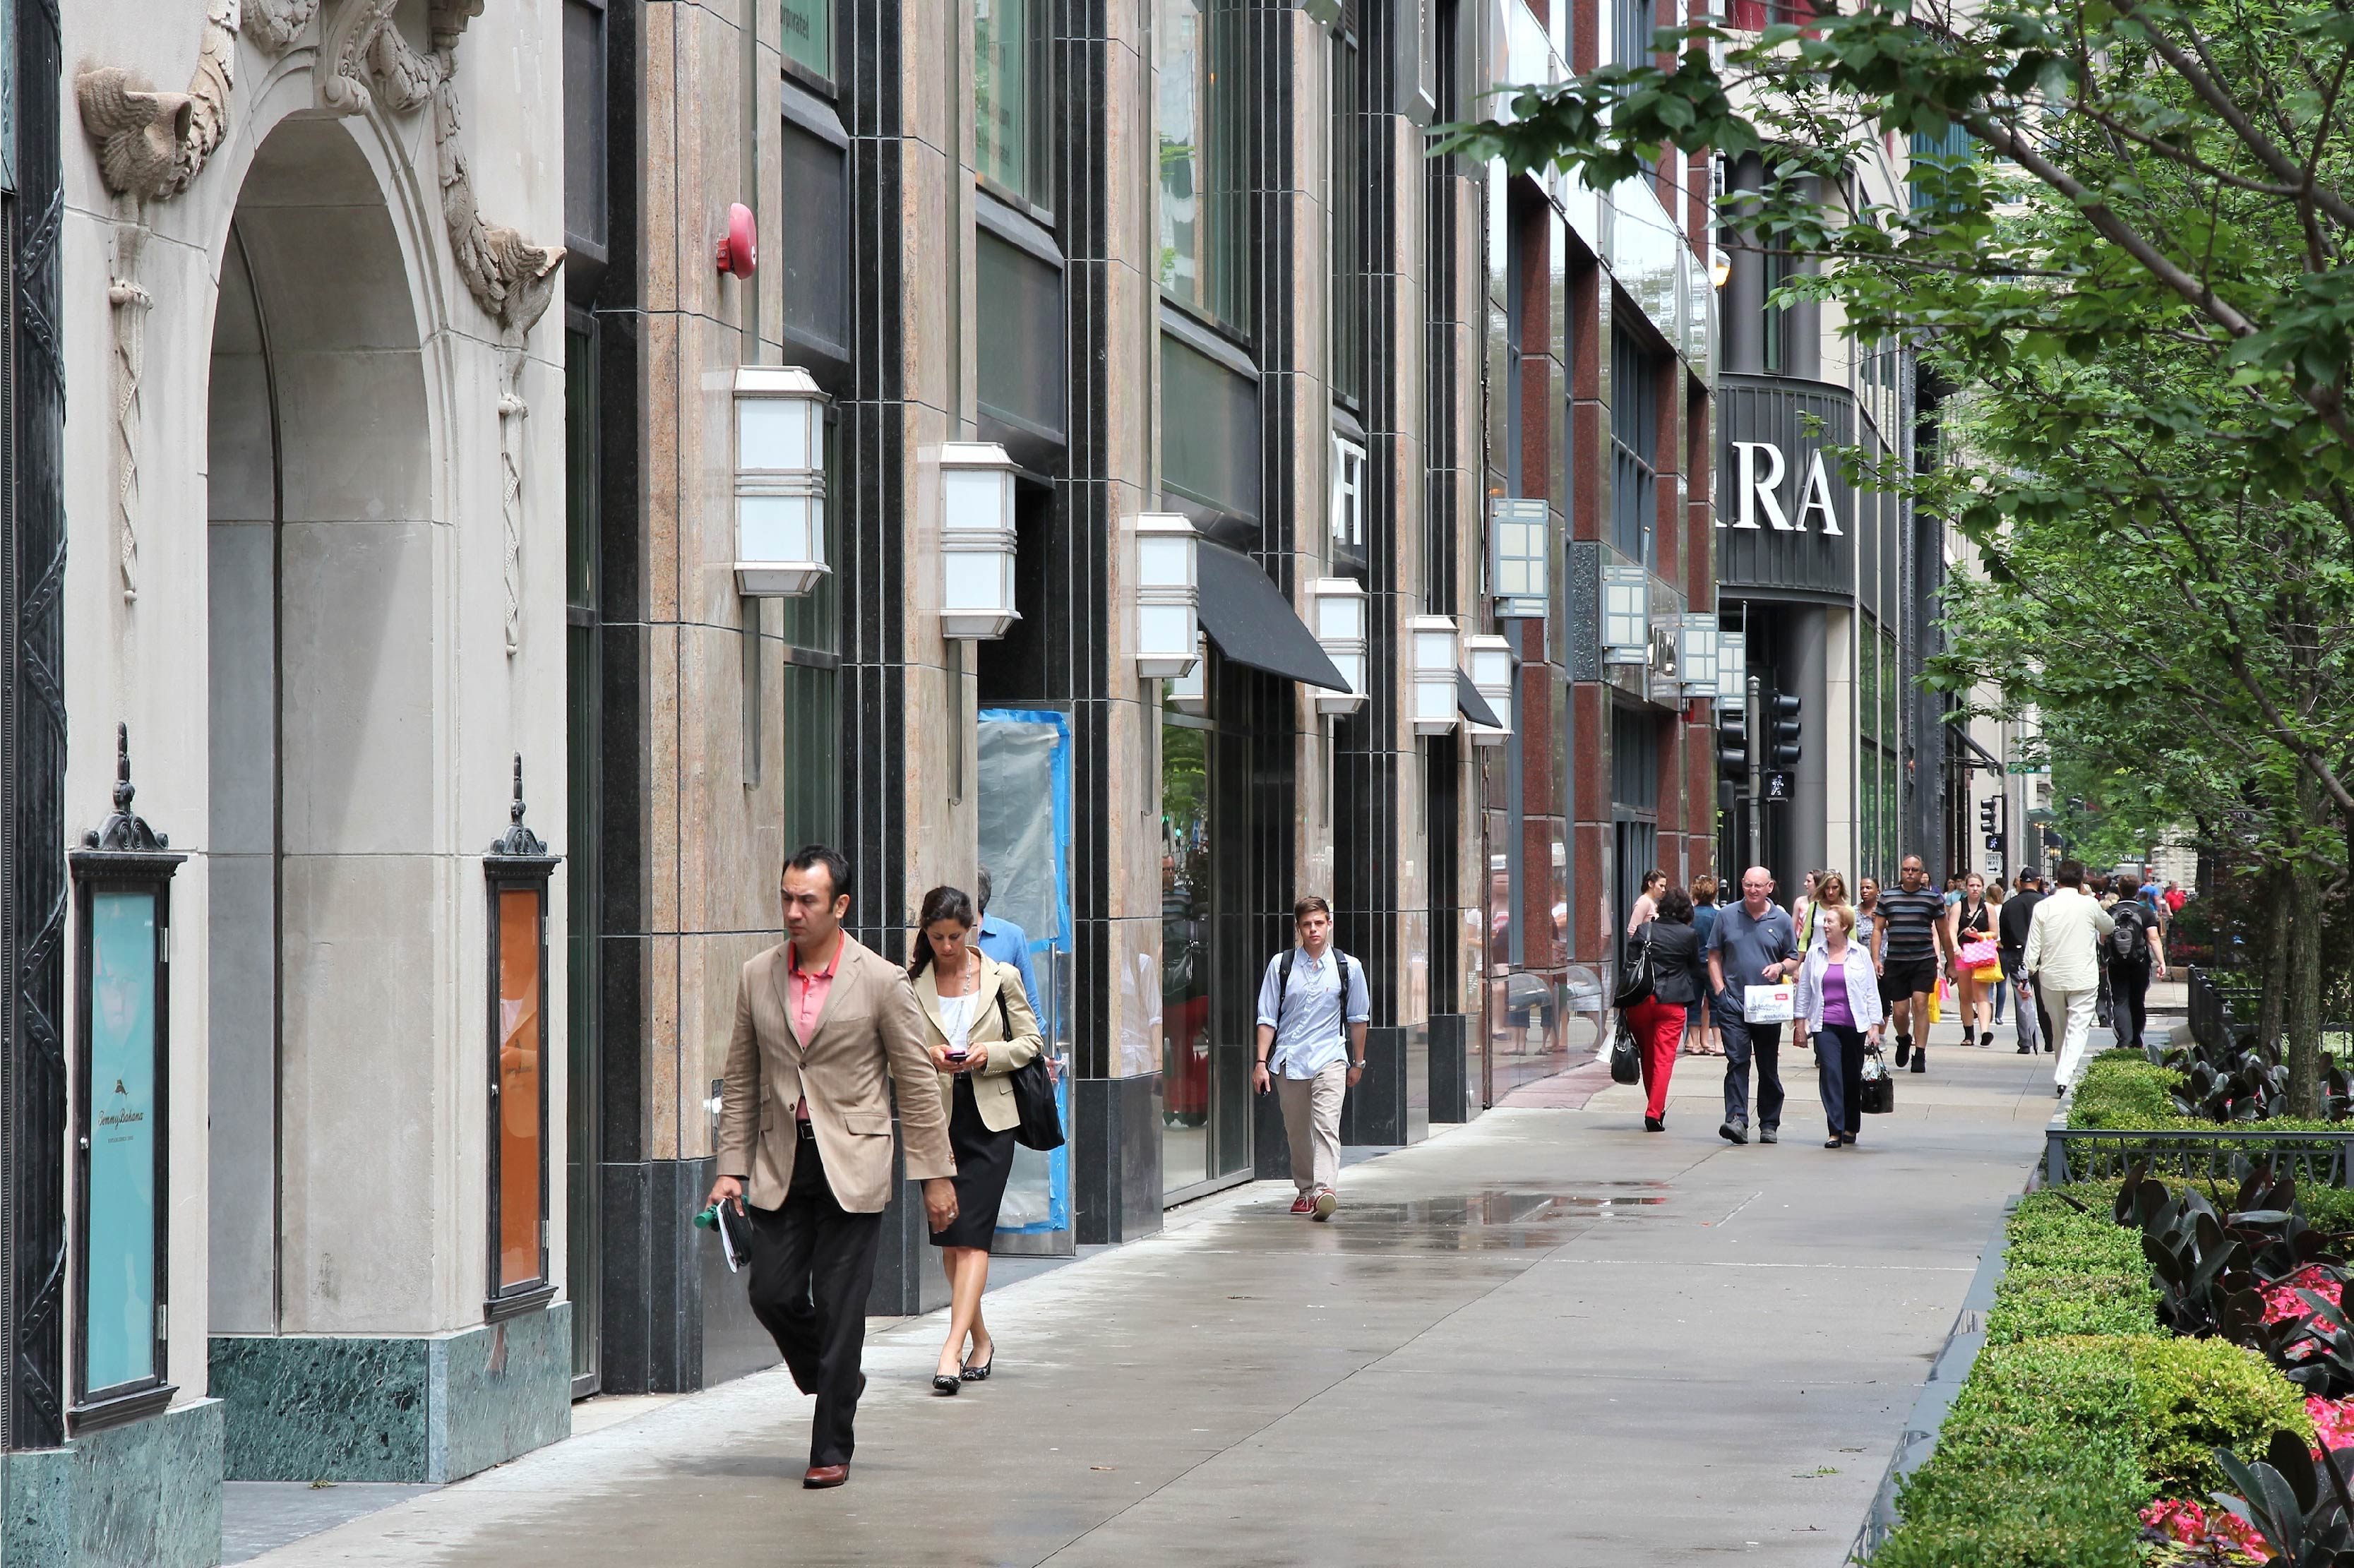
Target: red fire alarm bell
739 248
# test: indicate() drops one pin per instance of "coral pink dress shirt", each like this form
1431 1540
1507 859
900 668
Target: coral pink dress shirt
808 988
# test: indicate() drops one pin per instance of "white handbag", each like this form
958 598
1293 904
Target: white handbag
1769 1003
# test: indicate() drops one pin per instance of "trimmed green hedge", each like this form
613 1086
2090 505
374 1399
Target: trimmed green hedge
2079 1410
2122 1090
2067 1271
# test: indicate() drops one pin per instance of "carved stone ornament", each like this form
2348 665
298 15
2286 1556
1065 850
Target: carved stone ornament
125 831
518 841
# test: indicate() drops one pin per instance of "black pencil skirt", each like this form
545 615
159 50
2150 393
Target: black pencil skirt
984 1159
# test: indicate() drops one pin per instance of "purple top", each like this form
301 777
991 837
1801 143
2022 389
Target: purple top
1835 996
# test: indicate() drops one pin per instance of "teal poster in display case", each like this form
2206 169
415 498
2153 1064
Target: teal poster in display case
119 1256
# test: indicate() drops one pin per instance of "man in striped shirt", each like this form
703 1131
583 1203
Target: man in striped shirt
1914 918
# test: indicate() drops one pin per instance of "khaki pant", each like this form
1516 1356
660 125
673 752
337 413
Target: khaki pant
2070 1013
1311 1115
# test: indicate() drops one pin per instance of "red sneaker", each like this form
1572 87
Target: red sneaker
1304 1205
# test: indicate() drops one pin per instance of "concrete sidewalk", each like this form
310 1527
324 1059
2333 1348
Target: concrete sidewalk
1548 1337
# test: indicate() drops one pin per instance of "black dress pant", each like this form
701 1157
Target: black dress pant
2129 982
812 1269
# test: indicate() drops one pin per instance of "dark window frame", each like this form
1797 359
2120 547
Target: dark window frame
589 253
824 83
1637 382
1037 127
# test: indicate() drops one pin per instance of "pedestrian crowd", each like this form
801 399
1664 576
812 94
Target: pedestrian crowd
1842 975
828 1035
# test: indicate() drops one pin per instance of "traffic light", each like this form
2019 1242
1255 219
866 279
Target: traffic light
1782 722
1733 742
1985 815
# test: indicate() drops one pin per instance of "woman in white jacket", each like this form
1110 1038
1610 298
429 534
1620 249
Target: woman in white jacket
1839 996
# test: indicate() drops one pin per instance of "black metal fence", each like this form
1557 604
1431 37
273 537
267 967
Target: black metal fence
2076 1154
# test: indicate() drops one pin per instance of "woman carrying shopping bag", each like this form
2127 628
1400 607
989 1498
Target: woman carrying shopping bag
1839 998
1971 925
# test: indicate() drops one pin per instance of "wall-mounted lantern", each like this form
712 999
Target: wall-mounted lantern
122 1109
780 481
1696 663
1733 670
516 873
977 540
1340 607
1435 674
1168 595
1190 693
1490 659
1626 615
1518 563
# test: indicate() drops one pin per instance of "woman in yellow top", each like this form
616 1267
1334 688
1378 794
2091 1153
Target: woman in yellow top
981 1029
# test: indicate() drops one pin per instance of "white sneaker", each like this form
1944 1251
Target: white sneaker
1327 1201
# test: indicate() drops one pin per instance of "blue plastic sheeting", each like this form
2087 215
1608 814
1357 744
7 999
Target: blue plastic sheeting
1026 762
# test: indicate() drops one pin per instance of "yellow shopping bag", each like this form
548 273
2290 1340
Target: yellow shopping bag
1936 998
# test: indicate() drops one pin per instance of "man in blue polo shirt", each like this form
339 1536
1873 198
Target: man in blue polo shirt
1753 944
1009 944
1312 1012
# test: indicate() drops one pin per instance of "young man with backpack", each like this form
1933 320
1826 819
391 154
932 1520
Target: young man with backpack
1312 1012
2135 947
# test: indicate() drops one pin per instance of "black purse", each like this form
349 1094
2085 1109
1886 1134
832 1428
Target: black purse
1638 983
1040 1126
1625 1067
1877 1096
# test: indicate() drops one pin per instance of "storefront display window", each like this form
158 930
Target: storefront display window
124 1132
1187 947
122 918
516 875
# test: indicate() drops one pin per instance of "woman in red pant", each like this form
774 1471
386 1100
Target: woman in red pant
1679 980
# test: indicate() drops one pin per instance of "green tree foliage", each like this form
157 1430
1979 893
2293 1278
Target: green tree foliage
2137 286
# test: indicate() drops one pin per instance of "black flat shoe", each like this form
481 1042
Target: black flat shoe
1654 1123
1846 1138
944 1383
981 1372
1833 1142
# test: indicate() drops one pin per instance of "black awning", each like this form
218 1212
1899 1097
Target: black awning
1252 623
1987 760
1471 704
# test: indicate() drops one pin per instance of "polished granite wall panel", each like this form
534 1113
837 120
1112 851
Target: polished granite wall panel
394 1409
1390 1103
146 1494
1452 1093
1115 1158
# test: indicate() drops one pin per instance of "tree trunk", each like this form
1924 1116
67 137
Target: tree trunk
2304 999
2276 884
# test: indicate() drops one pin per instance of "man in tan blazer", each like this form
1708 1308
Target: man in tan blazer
805 1138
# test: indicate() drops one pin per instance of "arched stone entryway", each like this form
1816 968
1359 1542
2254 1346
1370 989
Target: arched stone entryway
324 555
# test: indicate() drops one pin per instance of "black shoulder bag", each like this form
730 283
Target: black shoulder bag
1039 1126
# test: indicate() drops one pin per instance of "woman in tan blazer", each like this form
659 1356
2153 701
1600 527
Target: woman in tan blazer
981 1029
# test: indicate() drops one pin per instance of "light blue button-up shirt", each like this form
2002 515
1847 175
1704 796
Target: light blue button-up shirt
1309 1035
1009 944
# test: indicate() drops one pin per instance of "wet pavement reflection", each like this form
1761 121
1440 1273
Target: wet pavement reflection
1485 1219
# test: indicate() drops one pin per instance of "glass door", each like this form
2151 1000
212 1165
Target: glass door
1186 952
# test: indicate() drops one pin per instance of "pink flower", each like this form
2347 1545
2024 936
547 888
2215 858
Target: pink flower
2180 1520
2282 1301
2333 1421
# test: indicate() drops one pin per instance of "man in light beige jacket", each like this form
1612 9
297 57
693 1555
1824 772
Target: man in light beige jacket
805 1138
2063 955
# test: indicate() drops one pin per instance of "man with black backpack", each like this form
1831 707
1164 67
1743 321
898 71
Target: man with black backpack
2135 947
1312 1012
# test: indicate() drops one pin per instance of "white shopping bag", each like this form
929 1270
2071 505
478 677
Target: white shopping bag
1769 1003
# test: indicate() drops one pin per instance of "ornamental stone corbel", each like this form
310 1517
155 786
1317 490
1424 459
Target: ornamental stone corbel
151 147
274 24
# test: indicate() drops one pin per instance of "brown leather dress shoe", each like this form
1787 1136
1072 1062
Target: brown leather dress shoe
822 1476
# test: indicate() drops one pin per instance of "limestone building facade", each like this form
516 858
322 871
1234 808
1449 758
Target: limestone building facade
286 514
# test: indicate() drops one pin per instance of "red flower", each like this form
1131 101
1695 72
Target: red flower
2180 1520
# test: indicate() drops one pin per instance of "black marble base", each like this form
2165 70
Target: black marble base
1115 1158
1390 1103
653 1320
1450 1063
